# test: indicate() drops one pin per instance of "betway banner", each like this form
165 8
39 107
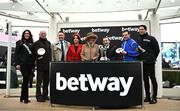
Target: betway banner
96 84
113 32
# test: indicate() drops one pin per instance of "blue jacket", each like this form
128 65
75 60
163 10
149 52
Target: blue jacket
130 46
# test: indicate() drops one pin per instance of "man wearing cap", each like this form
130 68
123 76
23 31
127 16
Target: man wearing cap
90 50
59 50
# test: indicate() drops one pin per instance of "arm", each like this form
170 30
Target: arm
134 51
16 55
34 54
69 44
97 53
155 47
68 56
52 53
83 58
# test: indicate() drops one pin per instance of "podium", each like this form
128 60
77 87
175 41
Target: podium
109 84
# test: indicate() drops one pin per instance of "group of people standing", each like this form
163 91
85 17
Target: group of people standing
42 52
27 52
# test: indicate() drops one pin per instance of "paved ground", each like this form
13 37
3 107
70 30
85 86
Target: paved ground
13 104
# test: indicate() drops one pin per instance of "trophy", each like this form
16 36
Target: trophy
41 52
119 50
103 52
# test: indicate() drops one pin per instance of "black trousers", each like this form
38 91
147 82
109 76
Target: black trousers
42 78
26 70
31 79
149 72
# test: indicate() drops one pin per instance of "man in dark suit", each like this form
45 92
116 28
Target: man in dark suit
107 51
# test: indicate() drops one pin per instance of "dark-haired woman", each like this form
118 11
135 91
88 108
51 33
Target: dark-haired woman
24 60
74 50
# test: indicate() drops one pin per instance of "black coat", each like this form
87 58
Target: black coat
151 47
111 54
42 61
22 55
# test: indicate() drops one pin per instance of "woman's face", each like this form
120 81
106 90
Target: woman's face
76 40
26 35
92 41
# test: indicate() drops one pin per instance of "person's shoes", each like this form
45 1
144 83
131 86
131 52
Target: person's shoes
26 101
153 101
147 100
46 98
40 100
21 100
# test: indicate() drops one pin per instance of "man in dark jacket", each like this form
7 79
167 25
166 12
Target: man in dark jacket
149 52
43 57
107 51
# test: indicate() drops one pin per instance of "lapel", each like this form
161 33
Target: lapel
58 46
65 45
109 48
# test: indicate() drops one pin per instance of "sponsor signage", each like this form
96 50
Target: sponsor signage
113 32
96 84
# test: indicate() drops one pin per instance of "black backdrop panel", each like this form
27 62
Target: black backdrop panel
113 32
96 97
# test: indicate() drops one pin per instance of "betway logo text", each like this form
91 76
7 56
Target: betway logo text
111 83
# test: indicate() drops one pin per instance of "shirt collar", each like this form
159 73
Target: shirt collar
107 47
62 41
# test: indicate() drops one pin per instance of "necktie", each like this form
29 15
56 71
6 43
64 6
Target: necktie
62 48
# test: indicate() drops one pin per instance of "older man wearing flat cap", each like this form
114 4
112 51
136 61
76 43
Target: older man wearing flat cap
90 50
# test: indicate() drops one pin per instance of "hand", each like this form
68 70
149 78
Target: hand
123 52
18 67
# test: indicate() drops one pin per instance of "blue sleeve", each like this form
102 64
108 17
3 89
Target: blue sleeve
133 51
121 45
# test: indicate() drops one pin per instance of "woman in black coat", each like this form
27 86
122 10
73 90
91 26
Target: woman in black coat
24 60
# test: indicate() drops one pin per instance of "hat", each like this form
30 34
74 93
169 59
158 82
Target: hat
76 34
91 35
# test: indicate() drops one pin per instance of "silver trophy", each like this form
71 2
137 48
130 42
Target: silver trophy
103 52
119 50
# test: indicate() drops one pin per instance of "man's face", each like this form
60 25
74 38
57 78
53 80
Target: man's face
42 34
61 36
125 35
142 31
106 42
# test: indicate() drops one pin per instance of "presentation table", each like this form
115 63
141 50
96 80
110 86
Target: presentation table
108 84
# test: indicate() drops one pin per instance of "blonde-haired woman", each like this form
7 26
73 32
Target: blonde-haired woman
90 50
